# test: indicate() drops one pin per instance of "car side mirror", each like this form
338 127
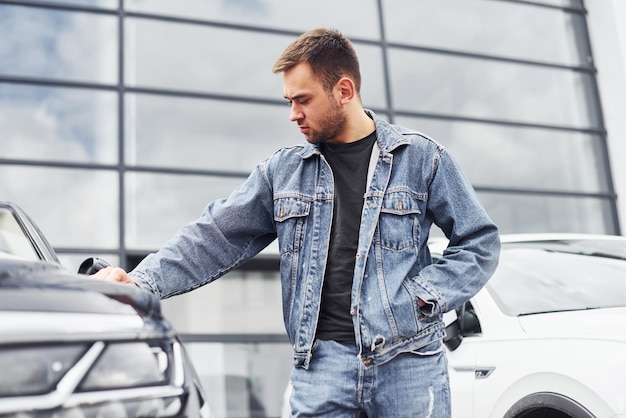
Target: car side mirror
454 330
92 265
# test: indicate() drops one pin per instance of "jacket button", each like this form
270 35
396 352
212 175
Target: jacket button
367 361
352 311
358 255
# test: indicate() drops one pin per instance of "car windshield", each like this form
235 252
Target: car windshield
560 276
12 238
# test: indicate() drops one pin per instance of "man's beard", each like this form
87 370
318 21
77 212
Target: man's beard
330 126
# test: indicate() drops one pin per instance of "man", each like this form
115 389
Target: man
352 209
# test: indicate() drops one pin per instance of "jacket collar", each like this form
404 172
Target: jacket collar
388 137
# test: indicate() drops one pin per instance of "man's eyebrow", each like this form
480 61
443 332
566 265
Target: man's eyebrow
296 97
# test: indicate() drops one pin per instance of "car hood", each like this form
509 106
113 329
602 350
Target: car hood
45 287
605 324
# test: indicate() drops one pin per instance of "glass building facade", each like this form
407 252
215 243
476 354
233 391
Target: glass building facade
121 119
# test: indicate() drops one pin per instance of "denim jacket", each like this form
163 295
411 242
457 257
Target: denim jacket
413 183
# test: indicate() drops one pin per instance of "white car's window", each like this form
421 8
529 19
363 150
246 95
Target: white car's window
12 239
561 276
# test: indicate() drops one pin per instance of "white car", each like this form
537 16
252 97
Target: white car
547 336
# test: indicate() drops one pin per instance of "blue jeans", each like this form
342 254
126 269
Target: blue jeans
338 384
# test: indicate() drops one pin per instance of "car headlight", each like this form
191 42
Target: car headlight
117 379
35 370
131 364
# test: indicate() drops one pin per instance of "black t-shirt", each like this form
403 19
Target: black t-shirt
349 163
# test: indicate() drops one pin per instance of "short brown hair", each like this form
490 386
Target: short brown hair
329 53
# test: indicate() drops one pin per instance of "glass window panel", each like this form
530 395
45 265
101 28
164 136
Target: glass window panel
565 3
243 380
513 157
243 302
159 204
484 27
537 214
74 208
476 88
190 57
109 4
205 134
186 57
58 44
277 14
372 75
170 131
58 124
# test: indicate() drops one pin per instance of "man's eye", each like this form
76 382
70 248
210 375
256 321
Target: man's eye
289 102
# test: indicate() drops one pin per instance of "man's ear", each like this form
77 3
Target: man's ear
346 89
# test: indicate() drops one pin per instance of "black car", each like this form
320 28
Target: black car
76 347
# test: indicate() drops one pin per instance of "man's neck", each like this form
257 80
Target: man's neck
359 126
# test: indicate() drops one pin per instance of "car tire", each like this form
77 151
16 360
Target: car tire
547 405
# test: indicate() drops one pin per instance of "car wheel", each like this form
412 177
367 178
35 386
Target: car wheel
547 405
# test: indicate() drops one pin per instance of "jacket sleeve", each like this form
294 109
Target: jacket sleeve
474 244
227 233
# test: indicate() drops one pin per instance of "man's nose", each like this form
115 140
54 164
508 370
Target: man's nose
296 113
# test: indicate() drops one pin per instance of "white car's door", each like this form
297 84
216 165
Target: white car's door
461 365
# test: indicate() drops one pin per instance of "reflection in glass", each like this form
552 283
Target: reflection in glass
159 204
245 380
537 213
73 207
57 124
109 4
205 134
258 291
372 76
202 59
478 88
13 239
298 16
484 27
559 278
58 44
531 158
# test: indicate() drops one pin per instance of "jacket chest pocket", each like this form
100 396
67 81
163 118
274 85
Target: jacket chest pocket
290 215
399 221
